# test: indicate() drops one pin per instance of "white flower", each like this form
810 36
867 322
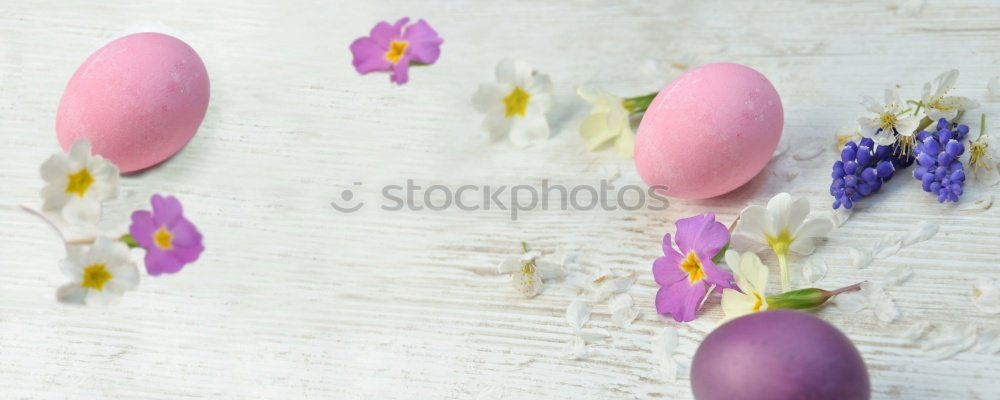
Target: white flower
516 104
984 153
527 272
937 104
77 183
98 276
785 225
888 121
609 121
751 278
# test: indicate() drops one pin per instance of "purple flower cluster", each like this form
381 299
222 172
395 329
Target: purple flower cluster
862 169
939 170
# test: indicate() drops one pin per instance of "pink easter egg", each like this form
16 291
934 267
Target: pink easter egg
138 100
709 131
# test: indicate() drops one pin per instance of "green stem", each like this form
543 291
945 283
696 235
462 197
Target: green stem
129 240
786 283
638 104
806 298
982 125
524 246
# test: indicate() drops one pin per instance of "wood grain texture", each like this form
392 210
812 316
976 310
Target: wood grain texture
295 300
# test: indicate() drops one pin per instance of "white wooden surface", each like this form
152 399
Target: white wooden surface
295 300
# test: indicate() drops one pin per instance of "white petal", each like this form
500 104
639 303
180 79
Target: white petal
887 246
778 210
513 72
918 330
891 97
488 97
803 246
82 211
926 97
79 152
883 305
54 196
509 265
993 88
577 314
950 340
753 273
611 286
898 275
906 125
576 348
735 304
814 271
986 295
622 313
71 293
530 129
665 342
868 127
960 103
859 258
732 259
55 168
884 138
871 104
840 216
549 270
815 227
983 202
923 231
497 124
664 345
851 303
125 276
540 85
945 82
626 143
755 224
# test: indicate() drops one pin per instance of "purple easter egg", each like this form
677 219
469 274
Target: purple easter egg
778 355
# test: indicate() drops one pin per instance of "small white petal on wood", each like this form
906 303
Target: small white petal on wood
622 312
898 275
986 295
814 271
923 231
577 314
950 340
860 258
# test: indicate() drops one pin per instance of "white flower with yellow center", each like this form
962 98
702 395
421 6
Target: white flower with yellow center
77 183
784 226
609 121
984 154
936 102
890 119
516 104
98 276
751 278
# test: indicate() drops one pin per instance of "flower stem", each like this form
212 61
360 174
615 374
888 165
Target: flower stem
524 246
126 238
638 104
853 288
786 283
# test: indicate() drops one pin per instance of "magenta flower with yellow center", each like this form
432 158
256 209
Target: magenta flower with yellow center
392 47
686 275
170 240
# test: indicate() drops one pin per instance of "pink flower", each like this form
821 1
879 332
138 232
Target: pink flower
170 240
393 47
685 276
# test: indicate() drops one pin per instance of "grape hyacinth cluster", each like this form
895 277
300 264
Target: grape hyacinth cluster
862 169
939 170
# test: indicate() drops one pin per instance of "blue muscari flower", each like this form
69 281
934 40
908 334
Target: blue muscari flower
862 169
939 170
